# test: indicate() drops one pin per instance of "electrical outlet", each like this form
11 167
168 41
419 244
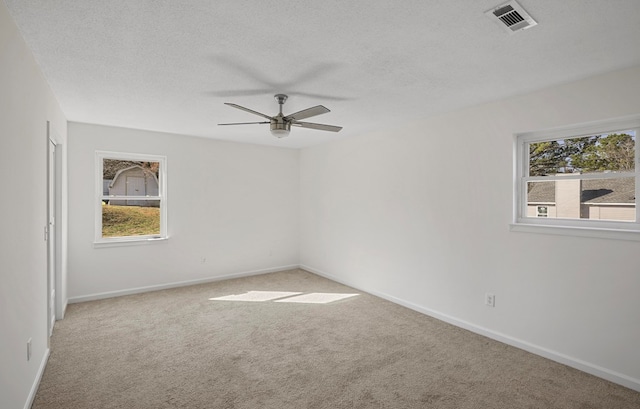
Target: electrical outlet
203 260
490 300
29 349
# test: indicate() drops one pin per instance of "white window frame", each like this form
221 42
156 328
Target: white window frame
625 230
100 241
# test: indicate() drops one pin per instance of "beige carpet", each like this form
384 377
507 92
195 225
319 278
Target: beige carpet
179 349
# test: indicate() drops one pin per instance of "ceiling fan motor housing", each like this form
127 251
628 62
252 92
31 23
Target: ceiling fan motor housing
280 127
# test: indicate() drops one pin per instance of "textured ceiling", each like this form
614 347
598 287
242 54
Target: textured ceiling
169 65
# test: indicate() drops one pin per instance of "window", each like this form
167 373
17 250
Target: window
582 177
130 198
542 211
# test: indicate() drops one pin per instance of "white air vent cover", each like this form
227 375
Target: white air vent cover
511 17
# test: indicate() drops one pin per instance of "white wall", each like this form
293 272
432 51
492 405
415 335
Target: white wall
234 204
26 104
421 215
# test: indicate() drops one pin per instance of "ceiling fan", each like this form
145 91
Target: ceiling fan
281 124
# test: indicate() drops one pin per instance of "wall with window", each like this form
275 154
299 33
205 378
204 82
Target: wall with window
26 104
231 209
421 215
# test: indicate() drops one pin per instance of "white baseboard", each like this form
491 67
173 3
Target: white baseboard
118 293
584 366
36 382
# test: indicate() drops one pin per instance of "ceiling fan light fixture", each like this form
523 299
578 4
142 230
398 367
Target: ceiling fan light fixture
279 133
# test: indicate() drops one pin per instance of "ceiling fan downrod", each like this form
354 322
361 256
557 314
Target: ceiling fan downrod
281 98
279 126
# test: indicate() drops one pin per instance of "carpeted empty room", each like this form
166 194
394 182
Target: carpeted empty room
292 339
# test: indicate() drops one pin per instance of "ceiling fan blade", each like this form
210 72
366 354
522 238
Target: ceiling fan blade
320 96
269 91
244 67
240 93
321 127
248 110
311 74
246 123
247 68
307 113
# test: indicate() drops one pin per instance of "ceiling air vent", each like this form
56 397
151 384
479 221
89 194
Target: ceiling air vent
511 17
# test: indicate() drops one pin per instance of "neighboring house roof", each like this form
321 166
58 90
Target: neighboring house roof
542 192
619 190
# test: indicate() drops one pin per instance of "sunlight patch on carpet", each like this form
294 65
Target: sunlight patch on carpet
256 296
285 296
317 298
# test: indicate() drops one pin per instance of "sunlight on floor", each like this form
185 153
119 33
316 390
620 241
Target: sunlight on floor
317 298
255 296
285 296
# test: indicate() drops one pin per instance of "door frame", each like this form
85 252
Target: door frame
51 229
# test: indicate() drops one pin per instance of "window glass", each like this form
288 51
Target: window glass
594 199
120 220
131 197
584 176
613 152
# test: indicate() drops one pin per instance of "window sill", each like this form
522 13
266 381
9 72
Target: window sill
615 234
121 242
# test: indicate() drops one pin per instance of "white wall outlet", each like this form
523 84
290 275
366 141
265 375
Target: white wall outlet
29 349
490 299
203 260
